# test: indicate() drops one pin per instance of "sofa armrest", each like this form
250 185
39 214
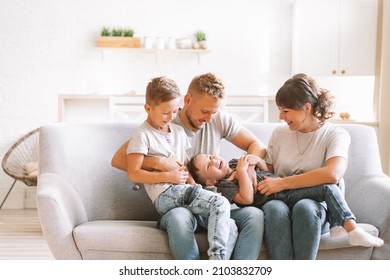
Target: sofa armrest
369 200
60 210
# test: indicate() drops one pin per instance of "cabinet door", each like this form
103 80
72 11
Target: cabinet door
335 37
358 36
314 40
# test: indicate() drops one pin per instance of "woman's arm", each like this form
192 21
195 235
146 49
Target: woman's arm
332 172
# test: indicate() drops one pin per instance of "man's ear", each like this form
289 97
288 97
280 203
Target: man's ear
187 98
211 182
147 107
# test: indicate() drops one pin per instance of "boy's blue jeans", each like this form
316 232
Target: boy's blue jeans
206 204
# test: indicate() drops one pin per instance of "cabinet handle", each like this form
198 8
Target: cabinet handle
343 72
334 72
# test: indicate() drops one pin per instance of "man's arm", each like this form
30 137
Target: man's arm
248 142
136 173
119 160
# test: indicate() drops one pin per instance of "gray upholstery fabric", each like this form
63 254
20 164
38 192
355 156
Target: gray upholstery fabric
89 210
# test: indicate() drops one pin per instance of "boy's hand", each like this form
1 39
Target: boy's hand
169 164
243 163
178 176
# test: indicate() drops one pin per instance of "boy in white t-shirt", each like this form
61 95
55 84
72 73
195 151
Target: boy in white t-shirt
157 136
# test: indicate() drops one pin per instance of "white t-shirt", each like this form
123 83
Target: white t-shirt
285 146
207 140
152 142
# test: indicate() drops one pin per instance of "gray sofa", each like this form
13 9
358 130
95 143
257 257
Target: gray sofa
89 210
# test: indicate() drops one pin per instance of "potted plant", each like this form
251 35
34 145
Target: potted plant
200 42
118 38
105 32
129 32
117 32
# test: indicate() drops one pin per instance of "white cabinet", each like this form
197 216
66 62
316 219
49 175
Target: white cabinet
335 37
250 108
130 108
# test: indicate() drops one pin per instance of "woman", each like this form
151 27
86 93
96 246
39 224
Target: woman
305 153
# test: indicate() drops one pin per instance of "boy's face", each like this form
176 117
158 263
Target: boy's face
159 116
211 168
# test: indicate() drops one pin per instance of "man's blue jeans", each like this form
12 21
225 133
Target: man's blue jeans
181 225
214 207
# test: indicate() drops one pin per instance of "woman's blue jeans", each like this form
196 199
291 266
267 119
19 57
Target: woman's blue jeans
181 225
294 233
338 208
207 204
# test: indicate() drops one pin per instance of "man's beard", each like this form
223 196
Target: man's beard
192 123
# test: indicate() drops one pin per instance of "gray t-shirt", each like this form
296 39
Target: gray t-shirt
207 140
152 142
285 147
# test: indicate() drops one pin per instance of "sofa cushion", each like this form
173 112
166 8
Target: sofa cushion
108 239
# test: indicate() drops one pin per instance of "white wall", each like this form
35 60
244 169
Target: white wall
48 48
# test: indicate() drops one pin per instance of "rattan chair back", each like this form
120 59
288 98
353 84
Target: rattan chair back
24 151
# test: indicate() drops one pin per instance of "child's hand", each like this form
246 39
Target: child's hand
243 163
178 176
253 177
169 164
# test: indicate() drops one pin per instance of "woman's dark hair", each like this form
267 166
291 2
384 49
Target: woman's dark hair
301 89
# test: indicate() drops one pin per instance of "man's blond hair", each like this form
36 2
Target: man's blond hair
207 83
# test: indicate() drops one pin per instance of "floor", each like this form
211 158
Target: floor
21 236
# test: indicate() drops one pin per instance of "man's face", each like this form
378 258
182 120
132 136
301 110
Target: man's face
200 108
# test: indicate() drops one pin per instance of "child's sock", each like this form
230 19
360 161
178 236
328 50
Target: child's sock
338 232
358 237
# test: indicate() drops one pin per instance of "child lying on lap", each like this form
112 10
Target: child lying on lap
237 182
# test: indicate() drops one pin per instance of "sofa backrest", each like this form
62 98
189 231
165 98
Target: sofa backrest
82 152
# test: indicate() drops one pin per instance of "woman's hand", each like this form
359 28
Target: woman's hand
270 185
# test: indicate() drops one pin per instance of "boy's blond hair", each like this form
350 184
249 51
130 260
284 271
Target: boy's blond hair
161 89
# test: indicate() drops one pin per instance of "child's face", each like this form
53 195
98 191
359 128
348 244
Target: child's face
211 167
159 116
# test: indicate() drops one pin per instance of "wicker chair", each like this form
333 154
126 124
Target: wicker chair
20 159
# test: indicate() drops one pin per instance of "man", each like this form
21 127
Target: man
205 126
